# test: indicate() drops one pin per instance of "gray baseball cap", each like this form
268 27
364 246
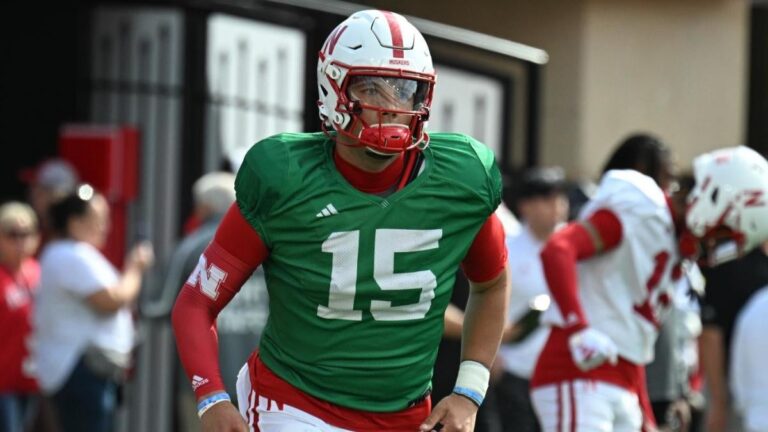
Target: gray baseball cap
56 174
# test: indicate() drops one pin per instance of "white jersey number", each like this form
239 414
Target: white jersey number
345 247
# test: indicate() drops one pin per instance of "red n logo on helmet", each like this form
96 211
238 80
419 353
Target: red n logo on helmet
333 39
754 198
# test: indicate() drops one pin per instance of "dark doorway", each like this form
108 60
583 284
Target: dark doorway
39 84
757 121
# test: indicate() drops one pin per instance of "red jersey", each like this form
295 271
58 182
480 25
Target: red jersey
16 295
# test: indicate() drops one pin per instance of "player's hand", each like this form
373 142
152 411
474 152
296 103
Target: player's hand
223 417
590 348
678 416
453 413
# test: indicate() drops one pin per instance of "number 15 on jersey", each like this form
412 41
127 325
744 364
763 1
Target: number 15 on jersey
345 248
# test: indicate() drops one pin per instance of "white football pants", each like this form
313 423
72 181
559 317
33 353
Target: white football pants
586 406
265 416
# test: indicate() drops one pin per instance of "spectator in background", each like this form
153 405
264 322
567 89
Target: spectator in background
19 277
193 222
543 207
83 323
748 377
51 181
213 194
729 287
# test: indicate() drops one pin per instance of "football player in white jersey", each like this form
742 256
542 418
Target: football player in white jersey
728 210
609 273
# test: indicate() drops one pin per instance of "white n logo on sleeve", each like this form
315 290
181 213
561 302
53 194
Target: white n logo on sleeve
210 277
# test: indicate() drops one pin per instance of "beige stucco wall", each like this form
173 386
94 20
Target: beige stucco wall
675 68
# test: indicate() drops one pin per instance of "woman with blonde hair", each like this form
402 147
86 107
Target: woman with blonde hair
19 277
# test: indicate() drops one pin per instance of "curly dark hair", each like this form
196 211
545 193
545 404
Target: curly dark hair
641 152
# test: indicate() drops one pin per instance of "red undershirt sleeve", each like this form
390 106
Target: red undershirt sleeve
228 261
487 256
580 240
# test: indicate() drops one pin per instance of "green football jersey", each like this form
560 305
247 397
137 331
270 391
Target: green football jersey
358 283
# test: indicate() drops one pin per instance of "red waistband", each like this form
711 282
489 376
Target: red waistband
556 365
268 385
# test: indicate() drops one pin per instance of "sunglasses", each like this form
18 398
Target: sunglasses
18 234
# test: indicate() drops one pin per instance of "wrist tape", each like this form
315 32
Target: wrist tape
472 381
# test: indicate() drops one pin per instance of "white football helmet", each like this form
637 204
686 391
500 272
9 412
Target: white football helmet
729 200
376 52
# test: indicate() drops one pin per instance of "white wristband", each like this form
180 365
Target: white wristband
472 381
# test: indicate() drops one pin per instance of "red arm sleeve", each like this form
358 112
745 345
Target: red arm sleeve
487 256
577 241
228 261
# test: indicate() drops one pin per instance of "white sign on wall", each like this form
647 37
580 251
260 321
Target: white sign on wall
256 84
469 103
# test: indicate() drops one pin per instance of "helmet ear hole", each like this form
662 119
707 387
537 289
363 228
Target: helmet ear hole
340 119
715 193
333 72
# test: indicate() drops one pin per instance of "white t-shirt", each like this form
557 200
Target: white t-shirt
626 291
749 351
509 222
528 282
64 323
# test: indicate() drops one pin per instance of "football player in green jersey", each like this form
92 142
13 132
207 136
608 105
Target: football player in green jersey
360 230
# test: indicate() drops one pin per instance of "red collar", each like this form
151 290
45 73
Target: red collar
369 182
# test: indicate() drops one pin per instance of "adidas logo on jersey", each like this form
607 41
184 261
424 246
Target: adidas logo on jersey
327 211
197 381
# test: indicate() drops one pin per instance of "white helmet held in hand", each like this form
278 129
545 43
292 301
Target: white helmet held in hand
729 200
378 62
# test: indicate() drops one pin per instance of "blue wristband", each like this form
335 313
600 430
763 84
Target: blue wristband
470 394
210 401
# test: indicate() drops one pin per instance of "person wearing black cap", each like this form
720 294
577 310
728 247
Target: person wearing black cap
542 204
